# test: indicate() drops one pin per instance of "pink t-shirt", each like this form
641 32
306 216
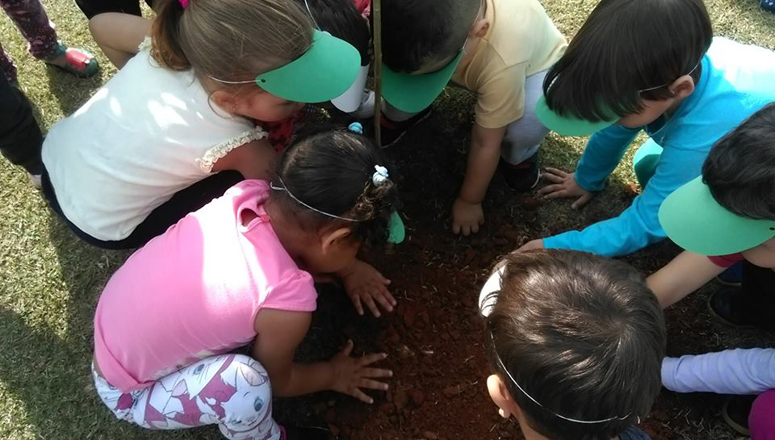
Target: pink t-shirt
195 291
727 260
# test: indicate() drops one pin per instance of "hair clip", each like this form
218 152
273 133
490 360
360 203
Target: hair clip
380 176
183 3
356 127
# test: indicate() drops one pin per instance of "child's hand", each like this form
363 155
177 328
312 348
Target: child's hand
351 374
364 284
564 185
466 217
532 245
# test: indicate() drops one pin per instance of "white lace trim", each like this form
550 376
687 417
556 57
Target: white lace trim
219 151
146 44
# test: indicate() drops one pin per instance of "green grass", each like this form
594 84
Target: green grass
50 282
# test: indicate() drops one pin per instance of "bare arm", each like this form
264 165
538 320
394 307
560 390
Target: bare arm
119 35
682 276
482 162
254 160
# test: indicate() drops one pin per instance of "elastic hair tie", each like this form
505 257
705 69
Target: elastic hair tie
380 176
183 3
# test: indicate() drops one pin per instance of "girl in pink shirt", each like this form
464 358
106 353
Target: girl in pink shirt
240 270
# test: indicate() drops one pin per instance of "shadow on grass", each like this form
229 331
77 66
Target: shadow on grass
70 91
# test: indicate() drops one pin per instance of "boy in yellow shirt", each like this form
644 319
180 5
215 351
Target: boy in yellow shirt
498 49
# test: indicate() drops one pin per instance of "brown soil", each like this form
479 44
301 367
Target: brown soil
434 337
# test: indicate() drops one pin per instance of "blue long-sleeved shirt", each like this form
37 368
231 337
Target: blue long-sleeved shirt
736 81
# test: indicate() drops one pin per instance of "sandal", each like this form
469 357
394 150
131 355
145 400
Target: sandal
77 61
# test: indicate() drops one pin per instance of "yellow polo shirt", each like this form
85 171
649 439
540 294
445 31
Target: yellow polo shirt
521 41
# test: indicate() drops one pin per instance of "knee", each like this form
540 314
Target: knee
761 421
251 401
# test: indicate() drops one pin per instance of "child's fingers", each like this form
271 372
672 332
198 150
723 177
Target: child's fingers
558 194
356 299
372 384
360 395
376 373
385 299
583 200
455 228
348 348
551 189
371 305
369 359
552 177
556 172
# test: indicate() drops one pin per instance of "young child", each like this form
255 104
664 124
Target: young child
498 49
152 144
240 270
575 342
725 216
662 72
746 374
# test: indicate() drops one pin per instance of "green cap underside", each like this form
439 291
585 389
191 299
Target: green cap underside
324 72
693 219
568 125
397 230
414 93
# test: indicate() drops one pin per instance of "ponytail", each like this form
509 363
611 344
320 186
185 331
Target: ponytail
166 46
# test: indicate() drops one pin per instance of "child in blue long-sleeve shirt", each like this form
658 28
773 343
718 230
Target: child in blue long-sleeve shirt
660 72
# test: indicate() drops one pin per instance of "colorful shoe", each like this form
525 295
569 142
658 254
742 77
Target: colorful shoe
304 433
736 410
733 276
393 131
768 5
77 61
521 177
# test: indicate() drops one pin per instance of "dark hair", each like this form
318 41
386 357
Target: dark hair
232 40
417 33
332 172
740 169
583 335
342 20
626 46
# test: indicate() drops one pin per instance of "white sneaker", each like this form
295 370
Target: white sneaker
36 179
366 110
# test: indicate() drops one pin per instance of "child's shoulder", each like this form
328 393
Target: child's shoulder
522 31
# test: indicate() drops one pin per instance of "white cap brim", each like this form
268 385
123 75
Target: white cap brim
350 100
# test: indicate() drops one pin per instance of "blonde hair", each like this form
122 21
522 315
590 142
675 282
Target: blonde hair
230 40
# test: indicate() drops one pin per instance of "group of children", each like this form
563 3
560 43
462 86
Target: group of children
185 154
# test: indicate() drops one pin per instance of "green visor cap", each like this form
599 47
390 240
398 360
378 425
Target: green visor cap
568 125
328 68
693 219
414 93
396 227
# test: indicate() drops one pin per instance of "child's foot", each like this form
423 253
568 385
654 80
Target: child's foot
393 131
733 276
76 61
768 5
304 433
736 411
521 177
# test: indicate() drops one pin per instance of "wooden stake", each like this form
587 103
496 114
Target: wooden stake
377 20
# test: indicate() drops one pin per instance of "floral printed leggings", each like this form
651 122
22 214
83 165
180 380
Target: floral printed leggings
31 19
231 391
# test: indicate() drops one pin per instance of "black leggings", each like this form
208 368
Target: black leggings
161 218
91 8
20 137
757 295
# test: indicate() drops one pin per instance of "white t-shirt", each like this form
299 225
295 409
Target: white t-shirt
148 133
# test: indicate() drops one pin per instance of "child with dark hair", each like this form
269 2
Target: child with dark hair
498 49
650 66
575 342
240 270
726 216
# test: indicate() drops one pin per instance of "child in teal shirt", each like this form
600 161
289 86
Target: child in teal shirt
683 88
